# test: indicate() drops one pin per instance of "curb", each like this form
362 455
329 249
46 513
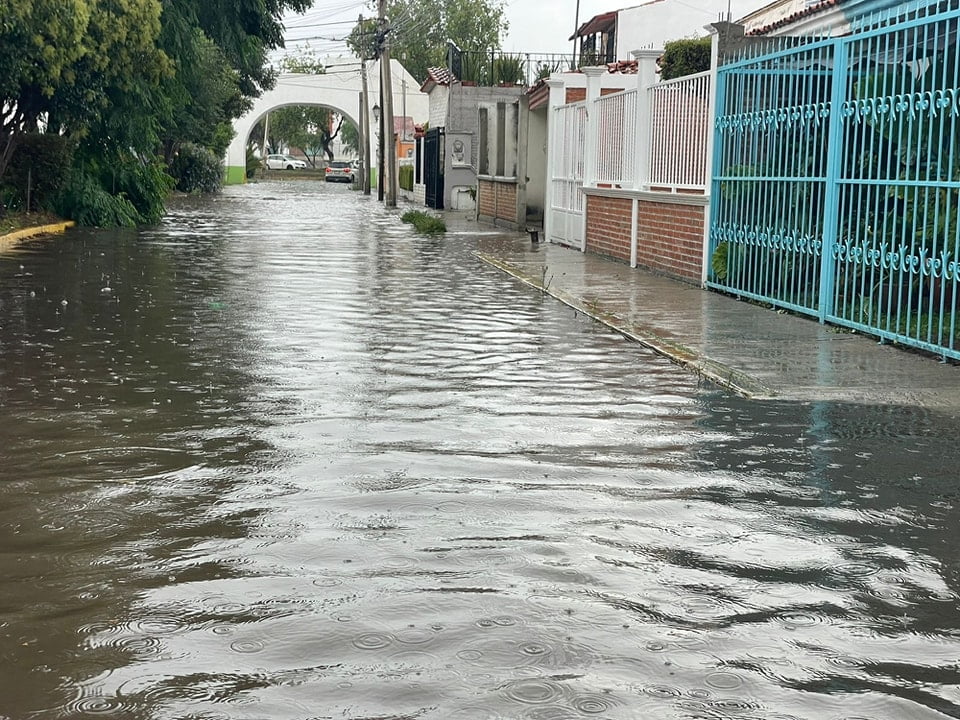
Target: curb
51 229
686 357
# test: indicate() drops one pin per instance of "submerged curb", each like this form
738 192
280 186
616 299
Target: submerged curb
684 356
51 229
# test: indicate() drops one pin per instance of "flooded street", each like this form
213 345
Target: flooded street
281 458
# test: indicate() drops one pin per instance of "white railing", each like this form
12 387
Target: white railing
571 126
616 128
679 133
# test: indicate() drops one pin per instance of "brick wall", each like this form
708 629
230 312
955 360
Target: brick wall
577 94
608 226
497 200
669 235
670 239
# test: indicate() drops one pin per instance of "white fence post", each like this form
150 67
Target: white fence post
711 133
646 77
590 137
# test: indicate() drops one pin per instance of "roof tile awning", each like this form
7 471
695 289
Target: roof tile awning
799 15
598 23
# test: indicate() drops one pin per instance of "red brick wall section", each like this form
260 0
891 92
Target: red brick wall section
497 200
577 94
486 198
608 226
669 235
670 239
507 201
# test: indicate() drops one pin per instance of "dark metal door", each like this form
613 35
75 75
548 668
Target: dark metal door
433 167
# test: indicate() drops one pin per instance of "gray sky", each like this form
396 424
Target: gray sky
536 26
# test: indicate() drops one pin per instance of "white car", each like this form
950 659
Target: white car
341 171
285 162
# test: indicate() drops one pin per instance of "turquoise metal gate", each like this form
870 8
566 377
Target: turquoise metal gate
836 181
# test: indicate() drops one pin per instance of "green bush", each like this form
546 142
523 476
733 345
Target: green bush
128 191
253 163
43 162
405 177
425 223
195 169
685 57
85 200
146 184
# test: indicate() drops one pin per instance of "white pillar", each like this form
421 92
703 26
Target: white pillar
711 138
591 136
646 77
557 99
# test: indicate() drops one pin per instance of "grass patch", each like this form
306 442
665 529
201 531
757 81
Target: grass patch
424 222
13 221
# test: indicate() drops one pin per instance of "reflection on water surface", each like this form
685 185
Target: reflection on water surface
279 457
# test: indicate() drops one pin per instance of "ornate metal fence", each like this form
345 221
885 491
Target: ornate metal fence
679 132
836 181
617 125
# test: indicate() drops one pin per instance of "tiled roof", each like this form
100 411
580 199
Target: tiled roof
438 76
622 67
799 15
598 23
539 94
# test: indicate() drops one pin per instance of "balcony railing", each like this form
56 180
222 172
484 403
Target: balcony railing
493 67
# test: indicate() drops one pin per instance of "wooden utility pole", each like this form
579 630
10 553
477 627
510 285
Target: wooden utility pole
364 123
386 111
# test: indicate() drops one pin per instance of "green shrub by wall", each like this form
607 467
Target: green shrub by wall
405 177
41 161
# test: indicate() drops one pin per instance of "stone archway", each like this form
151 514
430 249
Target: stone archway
339 89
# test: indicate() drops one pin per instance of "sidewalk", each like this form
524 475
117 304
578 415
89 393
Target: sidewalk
754 351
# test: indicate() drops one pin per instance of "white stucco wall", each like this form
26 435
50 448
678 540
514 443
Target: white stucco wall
439 97
654 23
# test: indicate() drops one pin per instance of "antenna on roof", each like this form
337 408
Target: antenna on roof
729 13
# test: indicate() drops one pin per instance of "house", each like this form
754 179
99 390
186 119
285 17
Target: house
450 157
805 17
613 35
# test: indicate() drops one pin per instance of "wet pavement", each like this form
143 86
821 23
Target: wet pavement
753 350
280 457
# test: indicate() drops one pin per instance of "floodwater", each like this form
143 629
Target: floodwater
279 457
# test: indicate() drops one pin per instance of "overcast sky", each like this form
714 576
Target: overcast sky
536 26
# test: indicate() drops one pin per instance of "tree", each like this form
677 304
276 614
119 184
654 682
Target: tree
418 31
311 128
64 63
685 57
350 137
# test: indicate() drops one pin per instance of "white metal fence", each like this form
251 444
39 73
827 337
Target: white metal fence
679 133
617 138
567 151
670 130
